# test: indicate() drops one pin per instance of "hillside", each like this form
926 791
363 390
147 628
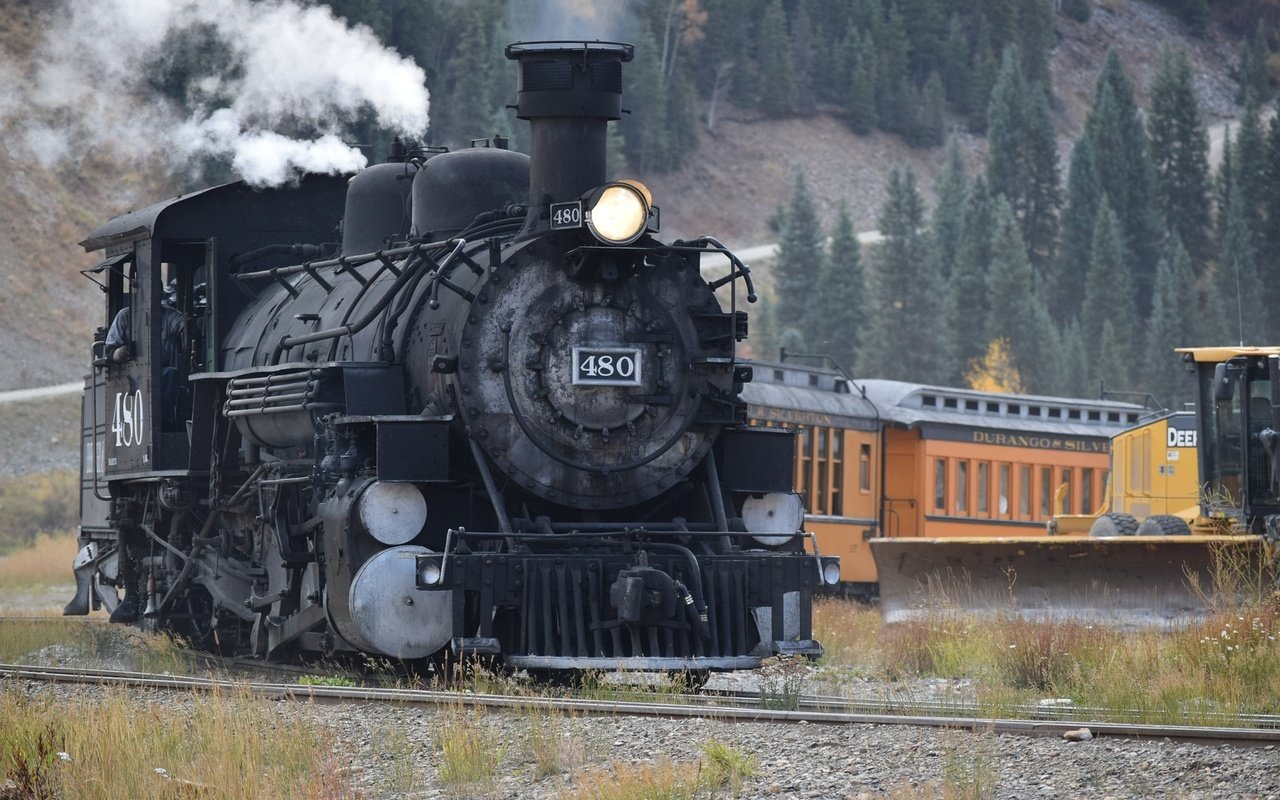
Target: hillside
48 311
742 172
746 167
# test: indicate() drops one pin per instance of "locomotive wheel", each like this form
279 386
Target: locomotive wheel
194 621
1114 524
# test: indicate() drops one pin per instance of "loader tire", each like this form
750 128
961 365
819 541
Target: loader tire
1164 525
1114 524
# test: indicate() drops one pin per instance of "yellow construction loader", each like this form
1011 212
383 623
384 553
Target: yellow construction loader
1191 496
1153 488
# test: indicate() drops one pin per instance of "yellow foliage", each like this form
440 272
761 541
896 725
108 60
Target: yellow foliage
995 372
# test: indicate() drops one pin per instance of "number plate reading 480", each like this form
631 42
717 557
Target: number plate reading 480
607 366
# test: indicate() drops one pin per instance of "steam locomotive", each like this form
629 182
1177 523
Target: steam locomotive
499 418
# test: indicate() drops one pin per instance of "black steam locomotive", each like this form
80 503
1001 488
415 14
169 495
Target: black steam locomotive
500 418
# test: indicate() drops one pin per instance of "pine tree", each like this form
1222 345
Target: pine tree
1250 172
1072 377
837 319
1180 155
955 66
467 110
1006 164
802 61
1036 38
799 259
773 47
1172 307
1045 371
1222 187
927 33
904 340
1011 292
1253 82
1042 198
1108 287
947 221
1124 170
644 131
682 119
861 103
929 123
892 75
1269 262
1237 278
1113 369
1084 191
731 23
1079 10
1194 13
1001 17
986 67
968 286
1023 161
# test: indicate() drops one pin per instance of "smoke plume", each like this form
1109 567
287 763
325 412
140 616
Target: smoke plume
269 87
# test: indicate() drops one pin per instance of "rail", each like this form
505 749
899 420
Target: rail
732 706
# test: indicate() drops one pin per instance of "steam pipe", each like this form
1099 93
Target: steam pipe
360 324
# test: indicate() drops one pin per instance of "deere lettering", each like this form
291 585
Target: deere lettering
1181 438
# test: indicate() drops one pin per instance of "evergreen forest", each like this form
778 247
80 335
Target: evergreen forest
1030 275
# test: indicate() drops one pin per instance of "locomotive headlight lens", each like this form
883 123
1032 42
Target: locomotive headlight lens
430 570
830 571
620 212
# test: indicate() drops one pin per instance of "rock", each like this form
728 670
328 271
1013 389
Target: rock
1078 735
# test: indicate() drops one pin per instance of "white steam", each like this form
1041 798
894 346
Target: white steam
279 68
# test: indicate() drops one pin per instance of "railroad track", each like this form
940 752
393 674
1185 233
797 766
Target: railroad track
746 707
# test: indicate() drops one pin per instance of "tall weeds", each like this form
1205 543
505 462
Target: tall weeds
1225 664
107 744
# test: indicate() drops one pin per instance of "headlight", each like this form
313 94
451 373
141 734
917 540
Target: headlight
830 571
619 213
430 569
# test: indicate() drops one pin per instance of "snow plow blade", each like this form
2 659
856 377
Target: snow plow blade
1145 581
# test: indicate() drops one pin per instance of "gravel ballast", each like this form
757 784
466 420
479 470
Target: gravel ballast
791 760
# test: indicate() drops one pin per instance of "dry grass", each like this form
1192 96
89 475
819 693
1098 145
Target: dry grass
666 780
107 743
37 580
848 631
469 750
24 640
552 745
33 505
46 562
1226 664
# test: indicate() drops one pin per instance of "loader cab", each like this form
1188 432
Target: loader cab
1239 388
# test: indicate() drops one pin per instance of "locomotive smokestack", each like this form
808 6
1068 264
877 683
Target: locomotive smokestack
569 91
